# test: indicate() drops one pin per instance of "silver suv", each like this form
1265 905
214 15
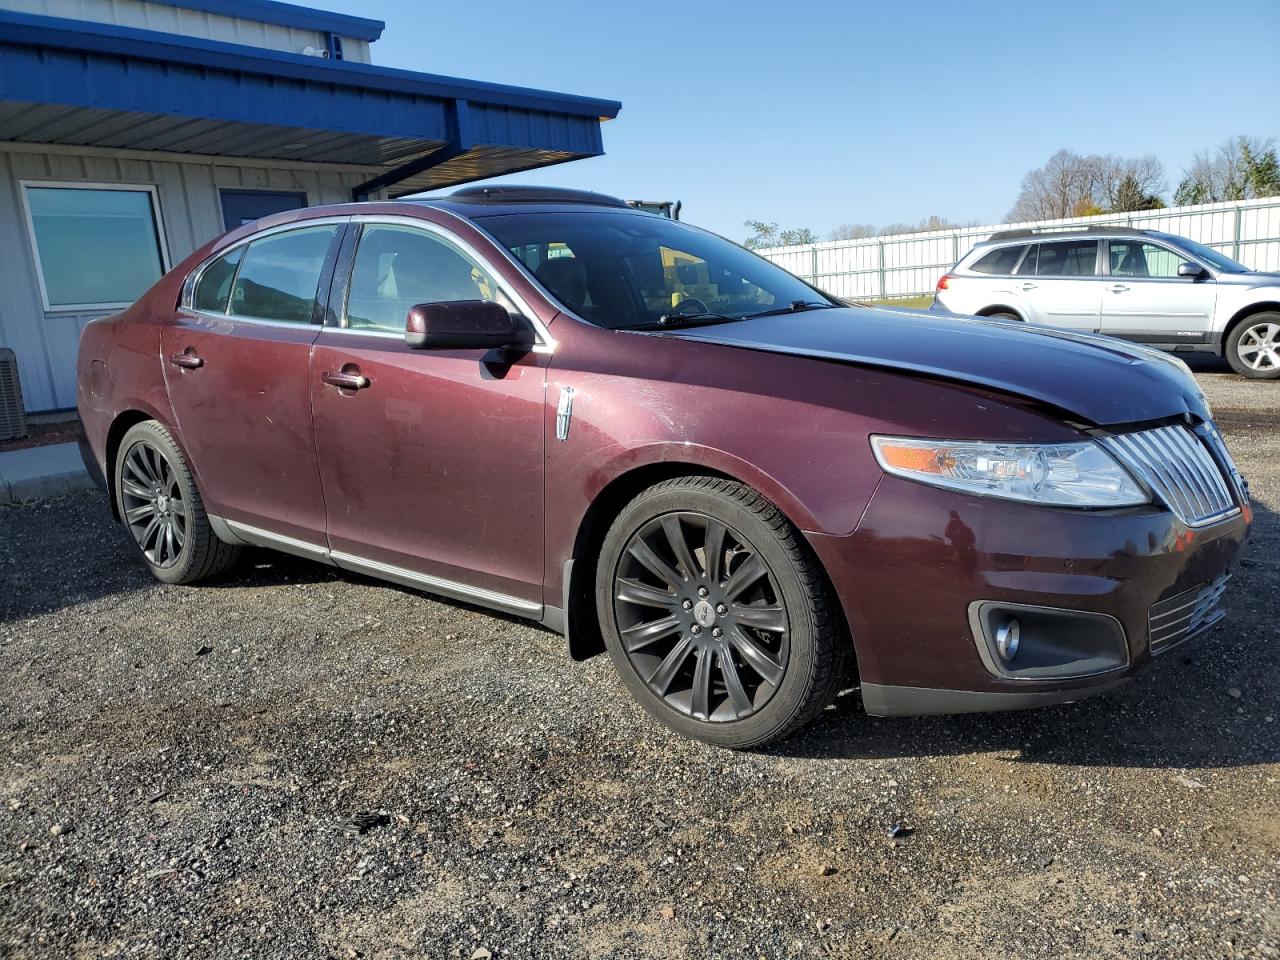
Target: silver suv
1154 288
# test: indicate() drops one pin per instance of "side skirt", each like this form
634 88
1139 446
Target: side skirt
232 531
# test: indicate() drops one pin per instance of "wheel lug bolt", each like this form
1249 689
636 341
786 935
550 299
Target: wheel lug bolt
695 629
721 609
717 632
703 591
688 604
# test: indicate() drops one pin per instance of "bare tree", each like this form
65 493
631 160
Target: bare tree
1071 185
1241 168
852 231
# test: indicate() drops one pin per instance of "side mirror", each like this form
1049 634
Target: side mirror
464 325
1188 269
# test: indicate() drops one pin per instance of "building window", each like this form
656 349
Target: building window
96 245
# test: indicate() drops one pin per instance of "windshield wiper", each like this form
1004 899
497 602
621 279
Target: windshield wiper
795 306
673 321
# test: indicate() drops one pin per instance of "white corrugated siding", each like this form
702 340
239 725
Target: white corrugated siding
190 208
908 265
188 23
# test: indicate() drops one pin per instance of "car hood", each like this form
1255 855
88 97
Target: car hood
1095 379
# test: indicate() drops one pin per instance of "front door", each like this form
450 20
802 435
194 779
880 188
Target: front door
244 206
1059 284
432 469
1145 299
237 367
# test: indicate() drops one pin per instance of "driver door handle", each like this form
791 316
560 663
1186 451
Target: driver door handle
1118 288
187 361
1028 286
347 381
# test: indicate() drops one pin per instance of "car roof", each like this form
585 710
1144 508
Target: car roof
1031 235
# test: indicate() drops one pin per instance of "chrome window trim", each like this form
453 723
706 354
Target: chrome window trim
545 342
194 277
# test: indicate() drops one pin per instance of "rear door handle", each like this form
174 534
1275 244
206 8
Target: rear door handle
188 361
1118 288
1028 286
345 380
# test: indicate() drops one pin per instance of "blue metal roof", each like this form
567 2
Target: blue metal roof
287 15
71 82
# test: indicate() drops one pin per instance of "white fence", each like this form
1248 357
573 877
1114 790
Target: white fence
909 264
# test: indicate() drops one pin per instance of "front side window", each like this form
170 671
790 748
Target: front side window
621 270
1134 258
280 274
95 247
1000 261
397 268
1064 258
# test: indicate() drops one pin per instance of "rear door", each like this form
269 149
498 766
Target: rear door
1060 284
1145 299
432 469
237 367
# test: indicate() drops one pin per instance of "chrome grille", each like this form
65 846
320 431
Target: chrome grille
1178 467
1182 617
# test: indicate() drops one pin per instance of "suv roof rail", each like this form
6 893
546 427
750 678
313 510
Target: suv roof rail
1067 231
514 193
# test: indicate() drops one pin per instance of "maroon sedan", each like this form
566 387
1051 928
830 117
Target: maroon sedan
651 440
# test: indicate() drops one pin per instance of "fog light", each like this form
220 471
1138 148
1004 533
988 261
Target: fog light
1007 639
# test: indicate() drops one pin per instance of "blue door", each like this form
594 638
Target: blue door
242 206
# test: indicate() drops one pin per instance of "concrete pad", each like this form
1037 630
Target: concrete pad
37 473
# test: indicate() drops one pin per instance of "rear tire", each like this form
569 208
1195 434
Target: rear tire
733 635
161 508
1253 346
1003 315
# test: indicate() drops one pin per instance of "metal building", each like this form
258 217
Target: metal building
132 131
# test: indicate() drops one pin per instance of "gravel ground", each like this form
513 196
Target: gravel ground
180 762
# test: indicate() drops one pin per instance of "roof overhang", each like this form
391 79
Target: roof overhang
81 84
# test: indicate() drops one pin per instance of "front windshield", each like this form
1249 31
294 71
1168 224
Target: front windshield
1219 261
619 269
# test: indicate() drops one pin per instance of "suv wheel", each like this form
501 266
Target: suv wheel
717 616
1253 347
162 510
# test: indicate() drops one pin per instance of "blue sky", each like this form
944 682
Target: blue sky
818 113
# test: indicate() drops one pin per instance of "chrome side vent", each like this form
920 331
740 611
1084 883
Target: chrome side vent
1187 615
1175 463
13 420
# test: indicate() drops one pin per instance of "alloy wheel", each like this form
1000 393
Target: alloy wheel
701 617
153 505
1259 348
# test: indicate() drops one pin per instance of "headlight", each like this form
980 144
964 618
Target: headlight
1056 474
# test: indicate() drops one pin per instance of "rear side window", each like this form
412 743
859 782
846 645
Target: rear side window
280 275
1000 261
213 289
1065 258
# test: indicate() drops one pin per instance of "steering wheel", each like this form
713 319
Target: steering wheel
687 306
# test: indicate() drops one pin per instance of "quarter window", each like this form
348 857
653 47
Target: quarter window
1132 258
1067 258
397 268
1001 261
95 246
213 289
280 275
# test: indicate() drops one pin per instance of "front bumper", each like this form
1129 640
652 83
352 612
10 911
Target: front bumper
923 559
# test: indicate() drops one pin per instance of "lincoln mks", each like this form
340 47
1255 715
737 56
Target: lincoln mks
648 439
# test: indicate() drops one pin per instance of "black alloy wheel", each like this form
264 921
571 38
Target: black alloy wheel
153 505
717 614
701 617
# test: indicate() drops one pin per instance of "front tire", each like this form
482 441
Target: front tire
1253 347
161 508
716 614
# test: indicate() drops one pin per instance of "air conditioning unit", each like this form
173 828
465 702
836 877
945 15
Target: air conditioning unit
13 421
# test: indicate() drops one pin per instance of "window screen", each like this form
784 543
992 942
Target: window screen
96 247
280 275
